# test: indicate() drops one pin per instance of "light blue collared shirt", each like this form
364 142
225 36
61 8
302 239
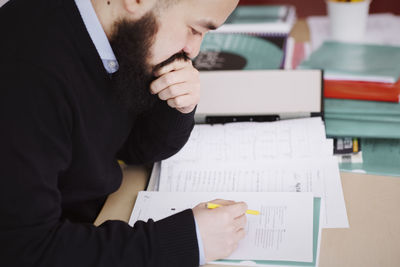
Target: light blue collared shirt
97 35
103 47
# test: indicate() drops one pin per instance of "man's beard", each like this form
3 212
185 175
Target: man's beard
131 42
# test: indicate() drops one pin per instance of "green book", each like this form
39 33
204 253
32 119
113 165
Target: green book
359 62
367 129
344 106
362 117
259 14
368 119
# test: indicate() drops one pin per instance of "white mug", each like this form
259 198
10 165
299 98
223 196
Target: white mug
348 20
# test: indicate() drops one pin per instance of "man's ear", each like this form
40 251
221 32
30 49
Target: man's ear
137 8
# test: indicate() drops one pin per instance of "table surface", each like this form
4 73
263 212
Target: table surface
372 203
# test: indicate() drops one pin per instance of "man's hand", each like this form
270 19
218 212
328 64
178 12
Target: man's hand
222 228
178 83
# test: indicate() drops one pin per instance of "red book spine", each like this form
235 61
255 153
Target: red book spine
362 90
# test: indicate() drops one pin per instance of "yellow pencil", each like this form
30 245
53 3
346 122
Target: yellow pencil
213 206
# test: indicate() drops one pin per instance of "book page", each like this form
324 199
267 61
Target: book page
283 230
318 176
252 141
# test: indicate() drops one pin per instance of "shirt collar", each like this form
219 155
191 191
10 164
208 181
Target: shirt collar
97 34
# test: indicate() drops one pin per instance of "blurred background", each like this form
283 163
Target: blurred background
305 8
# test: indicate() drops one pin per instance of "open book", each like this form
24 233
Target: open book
282 156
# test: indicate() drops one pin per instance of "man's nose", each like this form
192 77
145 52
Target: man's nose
192 47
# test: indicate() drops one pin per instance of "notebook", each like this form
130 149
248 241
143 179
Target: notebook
261 19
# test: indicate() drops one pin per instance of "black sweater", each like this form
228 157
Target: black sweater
60 136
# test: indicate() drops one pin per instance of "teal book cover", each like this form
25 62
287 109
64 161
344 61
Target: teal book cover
234 51
358 107
339 127
368 119
360 62
259 14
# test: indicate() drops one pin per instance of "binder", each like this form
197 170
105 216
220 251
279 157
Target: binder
259 95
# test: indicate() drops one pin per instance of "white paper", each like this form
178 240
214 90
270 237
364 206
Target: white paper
252 141
283 230
320 176
154 180
381 29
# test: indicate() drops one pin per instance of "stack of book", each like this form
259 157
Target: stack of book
362 93
253 38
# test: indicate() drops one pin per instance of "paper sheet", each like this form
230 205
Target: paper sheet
252 141
318 176
283 230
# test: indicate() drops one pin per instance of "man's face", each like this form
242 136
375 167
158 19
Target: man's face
160 36
183 25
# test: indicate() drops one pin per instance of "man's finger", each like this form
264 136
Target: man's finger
223 202
240 222
170 78
240 234
174 91
176 65
181 101
238 209
186 110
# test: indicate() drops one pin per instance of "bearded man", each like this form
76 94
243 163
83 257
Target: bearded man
83 84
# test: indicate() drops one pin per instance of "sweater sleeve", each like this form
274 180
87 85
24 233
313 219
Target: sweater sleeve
157 135
35 147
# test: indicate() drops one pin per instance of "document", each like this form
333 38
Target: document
283 156
253 141
282 231
319 176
